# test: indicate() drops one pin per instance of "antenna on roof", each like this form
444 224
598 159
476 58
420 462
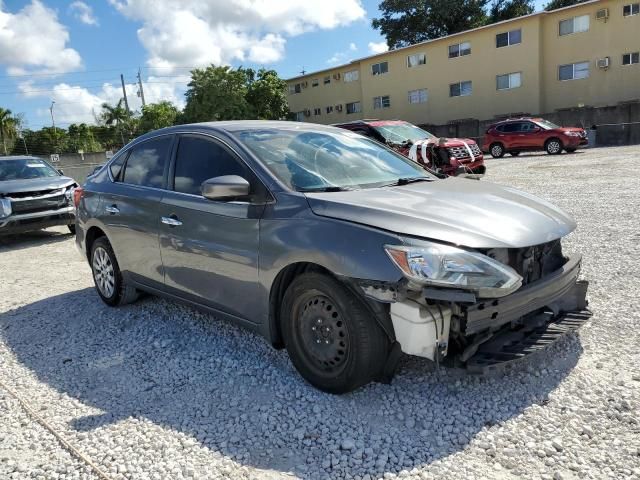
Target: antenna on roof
303 71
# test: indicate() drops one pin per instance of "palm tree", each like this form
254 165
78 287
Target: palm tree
8 127
115 115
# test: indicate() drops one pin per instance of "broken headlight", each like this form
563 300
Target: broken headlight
5 207
446 266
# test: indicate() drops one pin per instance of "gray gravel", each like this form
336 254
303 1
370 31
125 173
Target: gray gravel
156 390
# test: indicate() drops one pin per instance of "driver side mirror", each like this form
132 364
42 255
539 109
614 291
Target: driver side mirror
536 129
226 186
60 171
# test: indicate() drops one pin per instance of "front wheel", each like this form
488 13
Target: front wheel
553 146
330 334
496 150
110 284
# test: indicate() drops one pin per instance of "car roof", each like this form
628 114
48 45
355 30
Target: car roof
374 122
20 157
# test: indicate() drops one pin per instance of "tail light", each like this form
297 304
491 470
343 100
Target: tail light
77 195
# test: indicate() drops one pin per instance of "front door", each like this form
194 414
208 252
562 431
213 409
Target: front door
210 248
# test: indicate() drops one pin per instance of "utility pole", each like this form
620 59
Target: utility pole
53 122
141 91
124 92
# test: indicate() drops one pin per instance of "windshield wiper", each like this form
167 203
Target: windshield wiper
330 188
408 180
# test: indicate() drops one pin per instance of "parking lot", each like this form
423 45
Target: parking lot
156 390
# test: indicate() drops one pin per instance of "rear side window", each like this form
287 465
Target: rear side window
146 162
511 127
199 159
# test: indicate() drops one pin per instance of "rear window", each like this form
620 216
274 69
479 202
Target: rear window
146 162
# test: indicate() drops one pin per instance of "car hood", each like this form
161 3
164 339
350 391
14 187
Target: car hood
459 211
34 184
458 142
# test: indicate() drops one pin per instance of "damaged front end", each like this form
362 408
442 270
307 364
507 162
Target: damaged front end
483 323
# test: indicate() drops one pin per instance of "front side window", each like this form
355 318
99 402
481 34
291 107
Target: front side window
460 89
631 58
505 39
459 49
508 81
146 162
381 102
198 159
354 107
573 71
418 96
307 160
574 25
379 68
26 168
631 9
416 59
352 76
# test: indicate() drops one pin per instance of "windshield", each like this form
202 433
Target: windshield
316 160
401 133
546 124
26 168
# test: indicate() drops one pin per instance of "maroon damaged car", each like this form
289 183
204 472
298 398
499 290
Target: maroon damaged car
450 156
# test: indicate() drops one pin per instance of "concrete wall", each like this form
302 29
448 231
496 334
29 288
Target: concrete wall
538 56
77 167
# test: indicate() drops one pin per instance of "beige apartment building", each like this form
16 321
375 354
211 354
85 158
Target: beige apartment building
584 55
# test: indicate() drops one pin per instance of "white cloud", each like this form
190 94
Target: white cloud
33 40
353 47
378 47
195 33
83 13
343 56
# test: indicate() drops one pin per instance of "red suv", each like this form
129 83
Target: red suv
450 156
527 134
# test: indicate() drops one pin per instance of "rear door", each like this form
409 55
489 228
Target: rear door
210 248
129 208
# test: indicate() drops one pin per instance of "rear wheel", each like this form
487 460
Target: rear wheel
514 154
496 150
553 146
107 277
330 335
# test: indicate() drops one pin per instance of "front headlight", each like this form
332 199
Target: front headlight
572 134
5 207
446 266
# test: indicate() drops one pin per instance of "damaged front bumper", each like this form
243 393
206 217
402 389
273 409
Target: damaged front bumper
492 331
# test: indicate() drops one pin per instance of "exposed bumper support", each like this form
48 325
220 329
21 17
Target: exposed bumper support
36 220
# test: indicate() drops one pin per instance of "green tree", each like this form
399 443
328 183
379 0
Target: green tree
43 142
506 9
117 116
554 4
405 22
81 137
267 95
217 93
9 125
158 115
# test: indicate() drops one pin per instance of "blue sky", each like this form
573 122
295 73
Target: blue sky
73 52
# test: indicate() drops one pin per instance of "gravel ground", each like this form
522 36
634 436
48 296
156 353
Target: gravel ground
156 390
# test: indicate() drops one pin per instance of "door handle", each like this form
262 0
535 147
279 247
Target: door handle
113 210
172 221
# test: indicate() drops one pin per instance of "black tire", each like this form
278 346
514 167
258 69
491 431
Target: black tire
514 154
120 293
331 336
553 146
496 150
570 150
72 229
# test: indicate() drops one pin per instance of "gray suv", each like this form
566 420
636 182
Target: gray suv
331 245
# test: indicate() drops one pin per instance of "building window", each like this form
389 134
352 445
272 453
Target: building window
329 109
352 76
574 25
299 116
631 58
418 96
295 88
315 82
416 59
381 102
379 68
317 111
508 81
327 79
460 89
459 49
508 38
573 71
354 107
631 9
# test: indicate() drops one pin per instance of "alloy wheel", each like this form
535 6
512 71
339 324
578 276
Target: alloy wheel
103 272
554 147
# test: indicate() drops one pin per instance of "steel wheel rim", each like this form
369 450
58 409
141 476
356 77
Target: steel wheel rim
554 147
103 272
496 150
323 333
